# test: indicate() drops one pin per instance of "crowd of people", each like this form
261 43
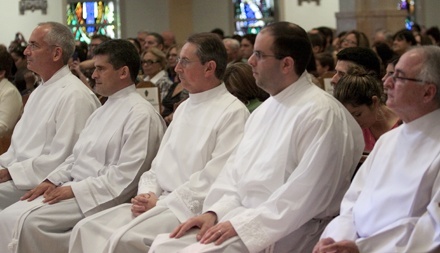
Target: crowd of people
248 151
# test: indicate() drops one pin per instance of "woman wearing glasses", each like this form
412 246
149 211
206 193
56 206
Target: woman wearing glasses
154 63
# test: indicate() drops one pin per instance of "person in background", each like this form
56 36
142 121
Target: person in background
153 40
356 56
20 81
361 93
392 204
10 99
355 38
56 111
154 63
402 41
172 55
168 40
247 46
233 50
240 82
324 63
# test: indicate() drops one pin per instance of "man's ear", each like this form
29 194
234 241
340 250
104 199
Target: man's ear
430 92
288 64
124 72
2 74
210 68
57 54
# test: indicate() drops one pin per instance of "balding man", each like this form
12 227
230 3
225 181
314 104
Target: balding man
393 202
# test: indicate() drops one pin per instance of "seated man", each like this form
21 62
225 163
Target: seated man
393 202
286 178
356 56
117 145
54 115
205 130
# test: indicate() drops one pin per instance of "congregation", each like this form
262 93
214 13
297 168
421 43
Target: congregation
282 141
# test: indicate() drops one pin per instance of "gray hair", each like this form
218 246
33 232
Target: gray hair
430 69
232 43
60 35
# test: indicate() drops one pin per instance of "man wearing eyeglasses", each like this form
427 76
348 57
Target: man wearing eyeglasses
393 204
285 180
54 115
204 132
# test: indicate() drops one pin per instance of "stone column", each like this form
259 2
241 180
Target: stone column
369 16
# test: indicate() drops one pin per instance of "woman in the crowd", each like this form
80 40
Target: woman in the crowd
172 55
361 93
240 82
355 38
402 41
247 46
154 63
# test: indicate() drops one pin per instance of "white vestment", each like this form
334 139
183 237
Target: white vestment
205 130
393 202
52 120
117 145
287 176
11 106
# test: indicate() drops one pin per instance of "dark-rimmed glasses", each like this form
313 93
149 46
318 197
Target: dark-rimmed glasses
149 62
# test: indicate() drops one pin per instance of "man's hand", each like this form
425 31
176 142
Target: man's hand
328 245
4 175
58 194
204 222
219 233
45 186
143 202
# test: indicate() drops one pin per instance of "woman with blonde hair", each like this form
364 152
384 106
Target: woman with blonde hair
154 63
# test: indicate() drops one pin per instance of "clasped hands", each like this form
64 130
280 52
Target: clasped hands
143 202
209 231
328 245
51 193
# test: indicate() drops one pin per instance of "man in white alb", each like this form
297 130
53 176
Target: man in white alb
54 115
117 145
285 180
393 202
205 130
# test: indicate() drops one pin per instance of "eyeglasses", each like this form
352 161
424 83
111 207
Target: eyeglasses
149 62
396 77
34 46
260 55
184 62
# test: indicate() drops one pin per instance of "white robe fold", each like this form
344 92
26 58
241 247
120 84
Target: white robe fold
393 202
205 130
287 175
52 120
117 145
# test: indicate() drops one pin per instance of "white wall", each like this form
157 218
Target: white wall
13 21
309 15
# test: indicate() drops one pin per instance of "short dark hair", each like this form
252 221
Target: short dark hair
291 40
364 57
6 61
326 59
251 37
210 48
406 35
101 37
158 37
317 39
121 53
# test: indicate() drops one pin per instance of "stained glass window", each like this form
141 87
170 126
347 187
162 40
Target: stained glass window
252 15
92 17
